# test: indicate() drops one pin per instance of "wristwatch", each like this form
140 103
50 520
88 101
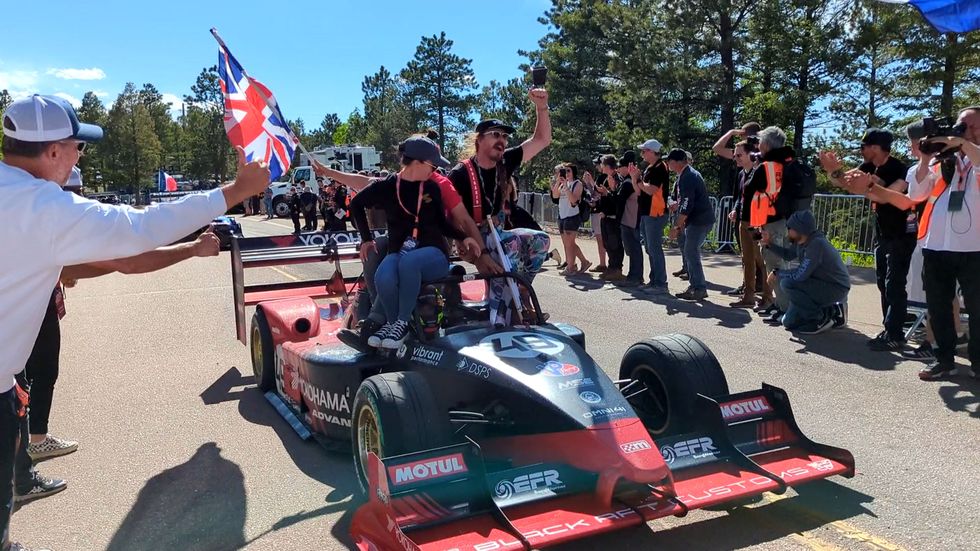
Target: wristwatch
485 251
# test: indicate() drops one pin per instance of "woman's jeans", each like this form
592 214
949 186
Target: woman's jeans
400 276
653 235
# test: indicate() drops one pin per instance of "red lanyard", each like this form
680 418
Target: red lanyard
418 208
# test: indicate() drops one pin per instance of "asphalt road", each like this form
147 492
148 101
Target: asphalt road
179 451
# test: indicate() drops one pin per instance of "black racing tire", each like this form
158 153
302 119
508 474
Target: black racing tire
263 353
403 410
675 369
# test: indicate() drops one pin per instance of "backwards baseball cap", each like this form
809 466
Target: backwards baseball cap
677 155
494 124
651 145
421 148
46 119
879 137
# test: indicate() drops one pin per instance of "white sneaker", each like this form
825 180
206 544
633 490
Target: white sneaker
396 335
375 340
51 446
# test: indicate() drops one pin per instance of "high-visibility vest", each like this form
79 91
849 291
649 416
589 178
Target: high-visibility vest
764 203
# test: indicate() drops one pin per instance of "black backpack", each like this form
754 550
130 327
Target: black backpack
803 180
585 203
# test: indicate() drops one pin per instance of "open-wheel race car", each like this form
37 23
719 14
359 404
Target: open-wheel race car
478 437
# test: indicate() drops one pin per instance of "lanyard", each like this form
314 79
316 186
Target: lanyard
483 186
418 208
963 166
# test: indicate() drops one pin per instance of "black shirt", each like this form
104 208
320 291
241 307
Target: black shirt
890 221
744 205
487 180
611 204
433 226
656 175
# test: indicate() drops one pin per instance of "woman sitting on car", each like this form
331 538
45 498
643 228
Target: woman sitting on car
417 231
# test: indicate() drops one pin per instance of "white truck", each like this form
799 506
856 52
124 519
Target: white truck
346 158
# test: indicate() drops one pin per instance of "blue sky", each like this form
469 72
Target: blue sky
312 54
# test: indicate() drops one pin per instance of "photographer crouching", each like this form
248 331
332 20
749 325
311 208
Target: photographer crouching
947 179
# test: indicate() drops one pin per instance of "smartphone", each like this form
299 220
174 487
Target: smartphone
539 75
562 172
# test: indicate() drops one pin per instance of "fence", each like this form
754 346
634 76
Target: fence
846 220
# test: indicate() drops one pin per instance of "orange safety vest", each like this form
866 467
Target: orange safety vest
937 189
764 203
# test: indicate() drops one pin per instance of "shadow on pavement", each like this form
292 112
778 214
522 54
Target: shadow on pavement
815 505
962 394
847 346
197 505
332 468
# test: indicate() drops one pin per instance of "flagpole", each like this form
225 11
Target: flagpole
265 98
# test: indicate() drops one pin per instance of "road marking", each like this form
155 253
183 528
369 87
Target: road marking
845 529
285 273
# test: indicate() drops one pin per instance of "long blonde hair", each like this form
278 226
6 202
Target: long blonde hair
469 146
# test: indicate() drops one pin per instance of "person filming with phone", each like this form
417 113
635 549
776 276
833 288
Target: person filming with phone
569 192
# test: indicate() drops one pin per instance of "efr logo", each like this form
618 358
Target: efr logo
696 448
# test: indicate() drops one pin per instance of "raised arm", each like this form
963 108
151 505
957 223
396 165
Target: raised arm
721 148
542 128
351 180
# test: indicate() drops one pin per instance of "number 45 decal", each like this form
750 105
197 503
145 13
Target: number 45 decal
522 345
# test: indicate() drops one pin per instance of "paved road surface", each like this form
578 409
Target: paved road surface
179 451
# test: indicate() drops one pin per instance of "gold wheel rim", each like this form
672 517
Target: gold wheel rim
256 352
368 435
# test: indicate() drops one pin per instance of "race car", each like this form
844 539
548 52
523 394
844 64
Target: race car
480 437
225 227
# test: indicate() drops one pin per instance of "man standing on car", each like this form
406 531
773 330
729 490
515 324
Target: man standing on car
42 141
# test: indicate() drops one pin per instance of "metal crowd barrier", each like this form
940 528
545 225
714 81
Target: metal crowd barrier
847 220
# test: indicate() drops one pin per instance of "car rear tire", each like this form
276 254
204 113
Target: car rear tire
674 369
395 413
263 354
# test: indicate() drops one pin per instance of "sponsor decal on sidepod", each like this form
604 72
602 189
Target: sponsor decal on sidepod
558 369
696 448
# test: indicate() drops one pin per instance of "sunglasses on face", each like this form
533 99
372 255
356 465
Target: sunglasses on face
497 134
79 145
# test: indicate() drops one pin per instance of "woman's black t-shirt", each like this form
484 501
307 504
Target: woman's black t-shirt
433 225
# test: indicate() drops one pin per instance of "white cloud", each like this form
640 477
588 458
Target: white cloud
19 83
78 74
75 102
175 101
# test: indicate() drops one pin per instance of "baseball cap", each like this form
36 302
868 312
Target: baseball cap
677 155
46 119
876 136
651 145
628 158
490 124
423 149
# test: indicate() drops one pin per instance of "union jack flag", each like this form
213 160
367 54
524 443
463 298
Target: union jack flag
252 122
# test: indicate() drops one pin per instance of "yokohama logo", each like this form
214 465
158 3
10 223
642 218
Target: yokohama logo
750 407
427 469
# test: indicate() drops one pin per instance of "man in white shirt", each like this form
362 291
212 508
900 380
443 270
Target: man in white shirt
42 141
949 232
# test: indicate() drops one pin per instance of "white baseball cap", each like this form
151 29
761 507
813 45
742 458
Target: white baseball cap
652 145
46 119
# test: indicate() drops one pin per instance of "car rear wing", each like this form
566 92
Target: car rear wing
744 445
283 250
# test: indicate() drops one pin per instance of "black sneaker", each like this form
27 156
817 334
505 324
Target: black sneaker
396 335
775 318
936 371
840 314
883 334
922 353
768 310
41 486
736 292
825 324
375 340
962 341
693 294
886 343
679 273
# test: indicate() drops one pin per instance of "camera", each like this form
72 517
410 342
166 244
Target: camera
562 172
755 156
932 128
753 141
